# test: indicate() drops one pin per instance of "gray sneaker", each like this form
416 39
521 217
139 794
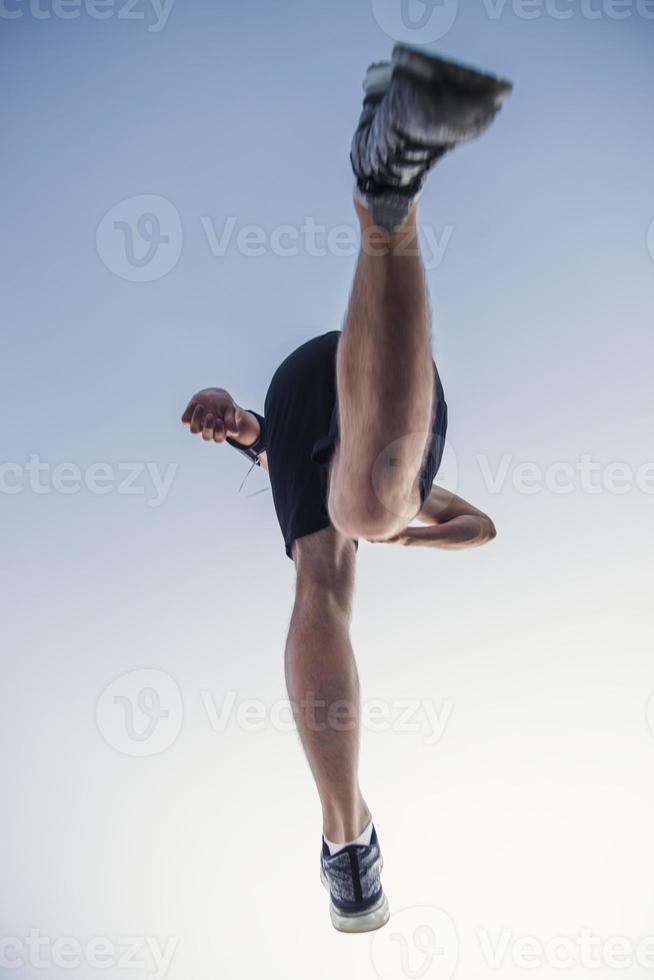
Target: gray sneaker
415 109
357 902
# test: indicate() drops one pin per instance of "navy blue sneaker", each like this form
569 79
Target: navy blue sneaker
416 108
357 902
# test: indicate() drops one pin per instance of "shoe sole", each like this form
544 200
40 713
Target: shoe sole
432 69
378 78
373 918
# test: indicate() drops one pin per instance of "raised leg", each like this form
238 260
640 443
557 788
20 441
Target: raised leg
322 679
385 386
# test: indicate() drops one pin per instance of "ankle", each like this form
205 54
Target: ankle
342 827
379 242
364 212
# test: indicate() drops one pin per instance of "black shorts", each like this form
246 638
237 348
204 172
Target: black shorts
301 432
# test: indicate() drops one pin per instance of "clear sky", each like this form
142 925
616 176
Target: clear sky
216 135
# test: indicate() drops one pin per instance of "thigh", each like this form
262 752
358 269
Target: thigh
380 485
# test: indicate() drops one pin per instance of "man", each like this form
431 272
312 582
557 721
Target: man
352 437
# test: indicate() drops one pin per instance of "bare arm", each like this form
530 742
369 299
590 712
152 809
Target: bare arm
451 522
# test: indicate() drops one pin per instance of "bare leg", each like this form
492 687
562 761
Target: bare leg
385 386
322 678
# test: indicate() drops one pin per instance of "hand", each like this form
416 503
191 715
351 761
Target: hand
214 414
465 530
404 538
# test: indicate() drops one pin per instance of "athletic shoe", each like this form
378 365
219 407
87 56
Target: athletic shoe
416 109
357 902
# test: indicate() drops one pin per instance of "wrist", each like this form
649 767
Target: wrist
250 438
249 427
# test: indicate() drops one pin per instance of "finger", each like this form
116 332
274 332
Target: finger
229 418
196 419
219 431
188 412
207 427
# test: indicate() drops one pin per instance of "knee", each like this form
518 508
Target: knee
363 515
324 564
371 503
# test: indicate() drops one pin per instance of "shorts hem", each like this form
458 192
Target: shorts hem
312 530
304 532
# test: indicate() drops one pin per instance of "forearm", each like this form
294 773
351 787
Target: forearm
464 531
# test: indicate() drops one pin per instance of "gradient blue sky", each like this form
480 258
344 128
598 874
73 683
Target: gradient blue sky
543 333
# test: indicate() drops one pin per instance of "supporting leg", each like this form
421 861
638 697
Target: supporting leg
322 679
385 386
